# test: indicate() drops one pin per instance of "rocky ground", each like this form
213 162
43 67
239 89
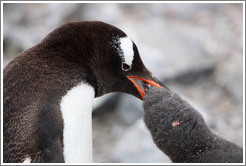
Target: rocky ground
195 49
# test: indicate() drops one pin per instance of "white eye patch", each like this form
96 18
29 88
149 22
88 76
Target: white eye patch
125 51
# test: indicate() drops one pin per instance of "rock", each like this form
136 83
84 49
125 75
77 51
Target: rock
129 109
136 145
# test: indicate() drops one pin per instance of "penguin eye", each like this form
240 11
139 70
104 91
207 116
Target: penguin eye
125 67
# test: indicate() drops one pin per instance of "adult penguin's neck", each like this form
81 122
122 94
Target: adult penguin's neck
76 108
77 89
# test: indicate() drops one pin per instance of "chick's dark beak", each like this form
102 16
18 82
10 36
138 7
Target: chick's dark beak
145 81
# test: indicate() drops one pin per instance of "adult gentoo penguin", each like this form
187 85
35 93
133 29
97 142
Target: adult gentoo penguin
181 132
48 90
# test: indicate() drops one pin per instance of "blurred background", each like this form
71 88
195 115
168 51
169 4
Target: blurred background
194 49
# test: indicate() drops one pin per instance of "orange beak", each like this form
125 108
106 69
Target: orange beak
141 92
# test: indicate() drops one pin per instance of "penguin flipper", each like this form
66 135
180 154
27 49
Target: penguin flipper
50 135
52 154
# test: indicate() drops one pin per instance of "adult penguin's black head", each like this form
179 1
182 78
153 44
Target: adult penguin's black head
106 54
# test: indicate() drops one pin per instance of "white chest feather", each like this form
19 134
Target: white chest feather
76 108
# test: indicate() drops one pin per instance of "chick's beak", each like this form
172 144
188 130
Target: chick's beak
150 82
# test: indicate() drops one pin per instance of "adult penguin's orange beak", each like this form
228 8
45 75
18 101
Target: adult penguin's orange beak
150 82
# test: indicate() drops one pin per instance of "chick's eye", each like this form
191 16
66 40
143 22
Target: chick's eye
125 67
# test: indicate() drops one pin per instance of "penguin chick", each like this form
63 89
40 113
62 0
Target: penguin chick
181 132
